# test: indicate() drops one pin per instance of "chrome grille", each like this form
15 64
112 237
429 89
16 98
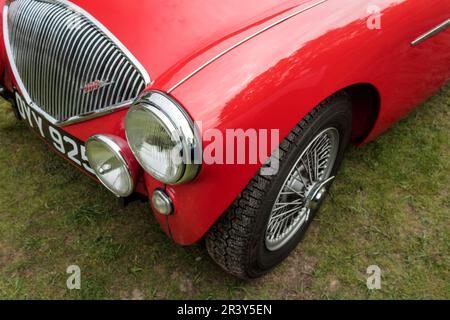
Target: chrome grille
68 64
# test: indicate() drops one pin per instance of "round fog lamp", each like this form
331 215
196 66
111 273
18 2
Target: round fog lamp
109 158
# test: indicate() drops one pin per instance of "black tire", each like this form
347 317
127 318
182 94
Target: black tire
237 241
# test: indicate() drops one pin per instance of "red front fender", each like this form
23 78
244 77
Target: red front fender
275 79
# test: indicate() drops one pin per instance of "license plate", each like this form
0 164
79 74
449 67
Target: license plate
65 144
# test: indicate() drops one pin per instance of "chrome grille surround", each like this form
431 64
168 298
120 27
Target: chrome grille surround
67 65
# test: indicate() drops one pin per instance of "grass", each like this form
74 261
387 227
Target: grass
390 207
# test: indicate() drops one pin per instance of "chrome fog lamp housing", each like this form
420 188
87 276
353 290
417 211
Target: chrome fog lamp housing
163 138
162 203
113 163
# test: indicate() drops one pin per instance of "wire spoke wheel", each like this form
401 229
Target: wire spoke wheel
303 190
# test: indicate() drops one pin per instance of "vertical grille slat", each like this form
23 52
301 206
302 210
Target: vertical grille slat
77 76
63 53
55 69
120 80
88 63
45 51
42 58
114 61
103 68
37 36
69 65
67 90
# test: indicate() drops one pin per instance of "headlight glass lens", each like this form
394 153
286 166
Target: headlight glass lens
155 143
109 165
163 139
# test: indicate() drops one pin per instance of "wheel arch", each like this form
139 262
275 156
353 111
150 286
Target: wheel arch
366 105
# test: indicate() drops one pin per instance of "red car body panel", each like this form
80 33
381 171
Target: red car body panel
273 78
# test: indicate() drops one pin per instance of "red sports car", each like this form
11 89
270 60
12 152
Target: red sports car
232 117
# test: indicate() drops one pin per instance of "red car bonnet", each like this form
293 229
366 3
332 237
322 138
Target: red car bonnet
172 38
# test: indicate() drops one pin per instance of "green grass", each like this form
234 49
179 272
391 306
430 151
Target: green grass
390 207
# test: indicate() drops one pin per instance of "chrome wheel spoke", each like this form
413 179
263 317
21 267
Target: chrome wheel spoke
285 205
294 191
306 167
292 208
302 178
289 212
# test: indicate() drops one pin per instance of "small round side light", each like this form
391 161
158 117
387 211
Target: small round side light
162 203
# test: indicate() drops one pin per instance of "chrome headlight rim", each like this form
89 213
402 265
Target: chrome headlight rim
176 121
118 153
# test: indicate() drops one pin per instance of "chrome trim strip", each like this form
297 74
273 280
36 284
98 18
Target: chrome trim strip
95 114
443 26
245 40
82 117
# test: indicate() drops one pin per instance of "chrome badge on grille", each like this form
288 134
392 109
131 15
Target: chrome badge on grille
96 85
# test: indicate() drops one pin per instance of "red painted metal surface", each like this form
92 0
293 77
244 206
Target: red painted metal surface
272 80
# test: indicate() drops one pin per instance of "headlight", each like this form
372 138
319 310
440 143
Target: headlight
114 168
163 139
